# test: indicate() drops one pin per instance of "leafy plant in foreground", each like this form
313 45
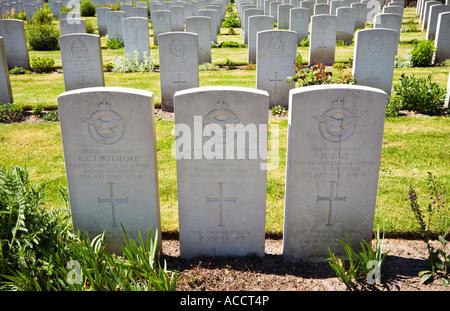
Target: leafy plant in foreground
438 261
362 267
420 94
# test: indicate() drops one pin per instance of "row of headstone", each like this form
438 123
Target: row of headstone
109 144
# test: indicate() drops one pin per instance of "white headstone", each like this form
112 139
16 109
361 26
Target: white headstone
136 36
442 41
81 61
214 15
5 84
72 25
435 10
275 56
109 144
388 21
334 146
177 17
283 16
101 20
345 24
219 215
256 24
321 8
201 25
126 7
114 24
178 63
139 12
374 58
247 14
13 33
322 40
162 22
299 22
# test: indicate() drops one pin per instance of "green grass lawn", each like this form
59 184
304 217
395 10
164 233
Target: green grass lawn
412 146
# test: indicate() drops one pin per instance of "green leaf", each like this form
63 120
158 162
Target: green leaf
425 276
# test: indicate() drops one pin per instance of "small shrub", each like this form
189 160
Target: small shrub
423 53
129 63
362 266
404 62
43 16
90 28
51 116
230 63
393 106
42 65
228 44
232 21
278 110
438 260
10 113
18 71
420 94
304 42
43 37
317 74
209 67
114 43
87 8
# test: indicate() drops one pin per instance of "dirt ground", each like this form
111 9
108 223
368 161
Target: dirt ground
399 272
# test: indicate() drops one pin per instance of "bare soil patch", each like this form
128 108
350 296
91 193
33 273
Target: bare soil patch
399 272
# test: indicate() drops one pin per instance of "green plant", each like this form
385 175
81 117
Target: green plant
230 63
304 42
422 54
318 74
404 62
50 116
37 109
87 8
232 21
410 26
278 110
42 37
438 261
362 266
132 63
209 67
10 113
42 65
420 94
90 28
114 43
18 71
43 16
27 231
393 106
38 250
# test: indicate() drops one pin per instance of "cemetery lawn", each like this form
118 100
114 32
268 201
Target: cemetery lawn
412 146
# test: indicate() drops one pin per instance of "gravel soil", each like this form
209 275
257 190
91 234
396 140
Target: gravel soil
399 272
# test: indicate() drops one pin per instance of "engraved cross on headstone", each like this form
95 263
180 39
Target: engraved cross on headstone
82 83
12 54
221 200
373 78
179 82
332 198
276 81
322 47
112 200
